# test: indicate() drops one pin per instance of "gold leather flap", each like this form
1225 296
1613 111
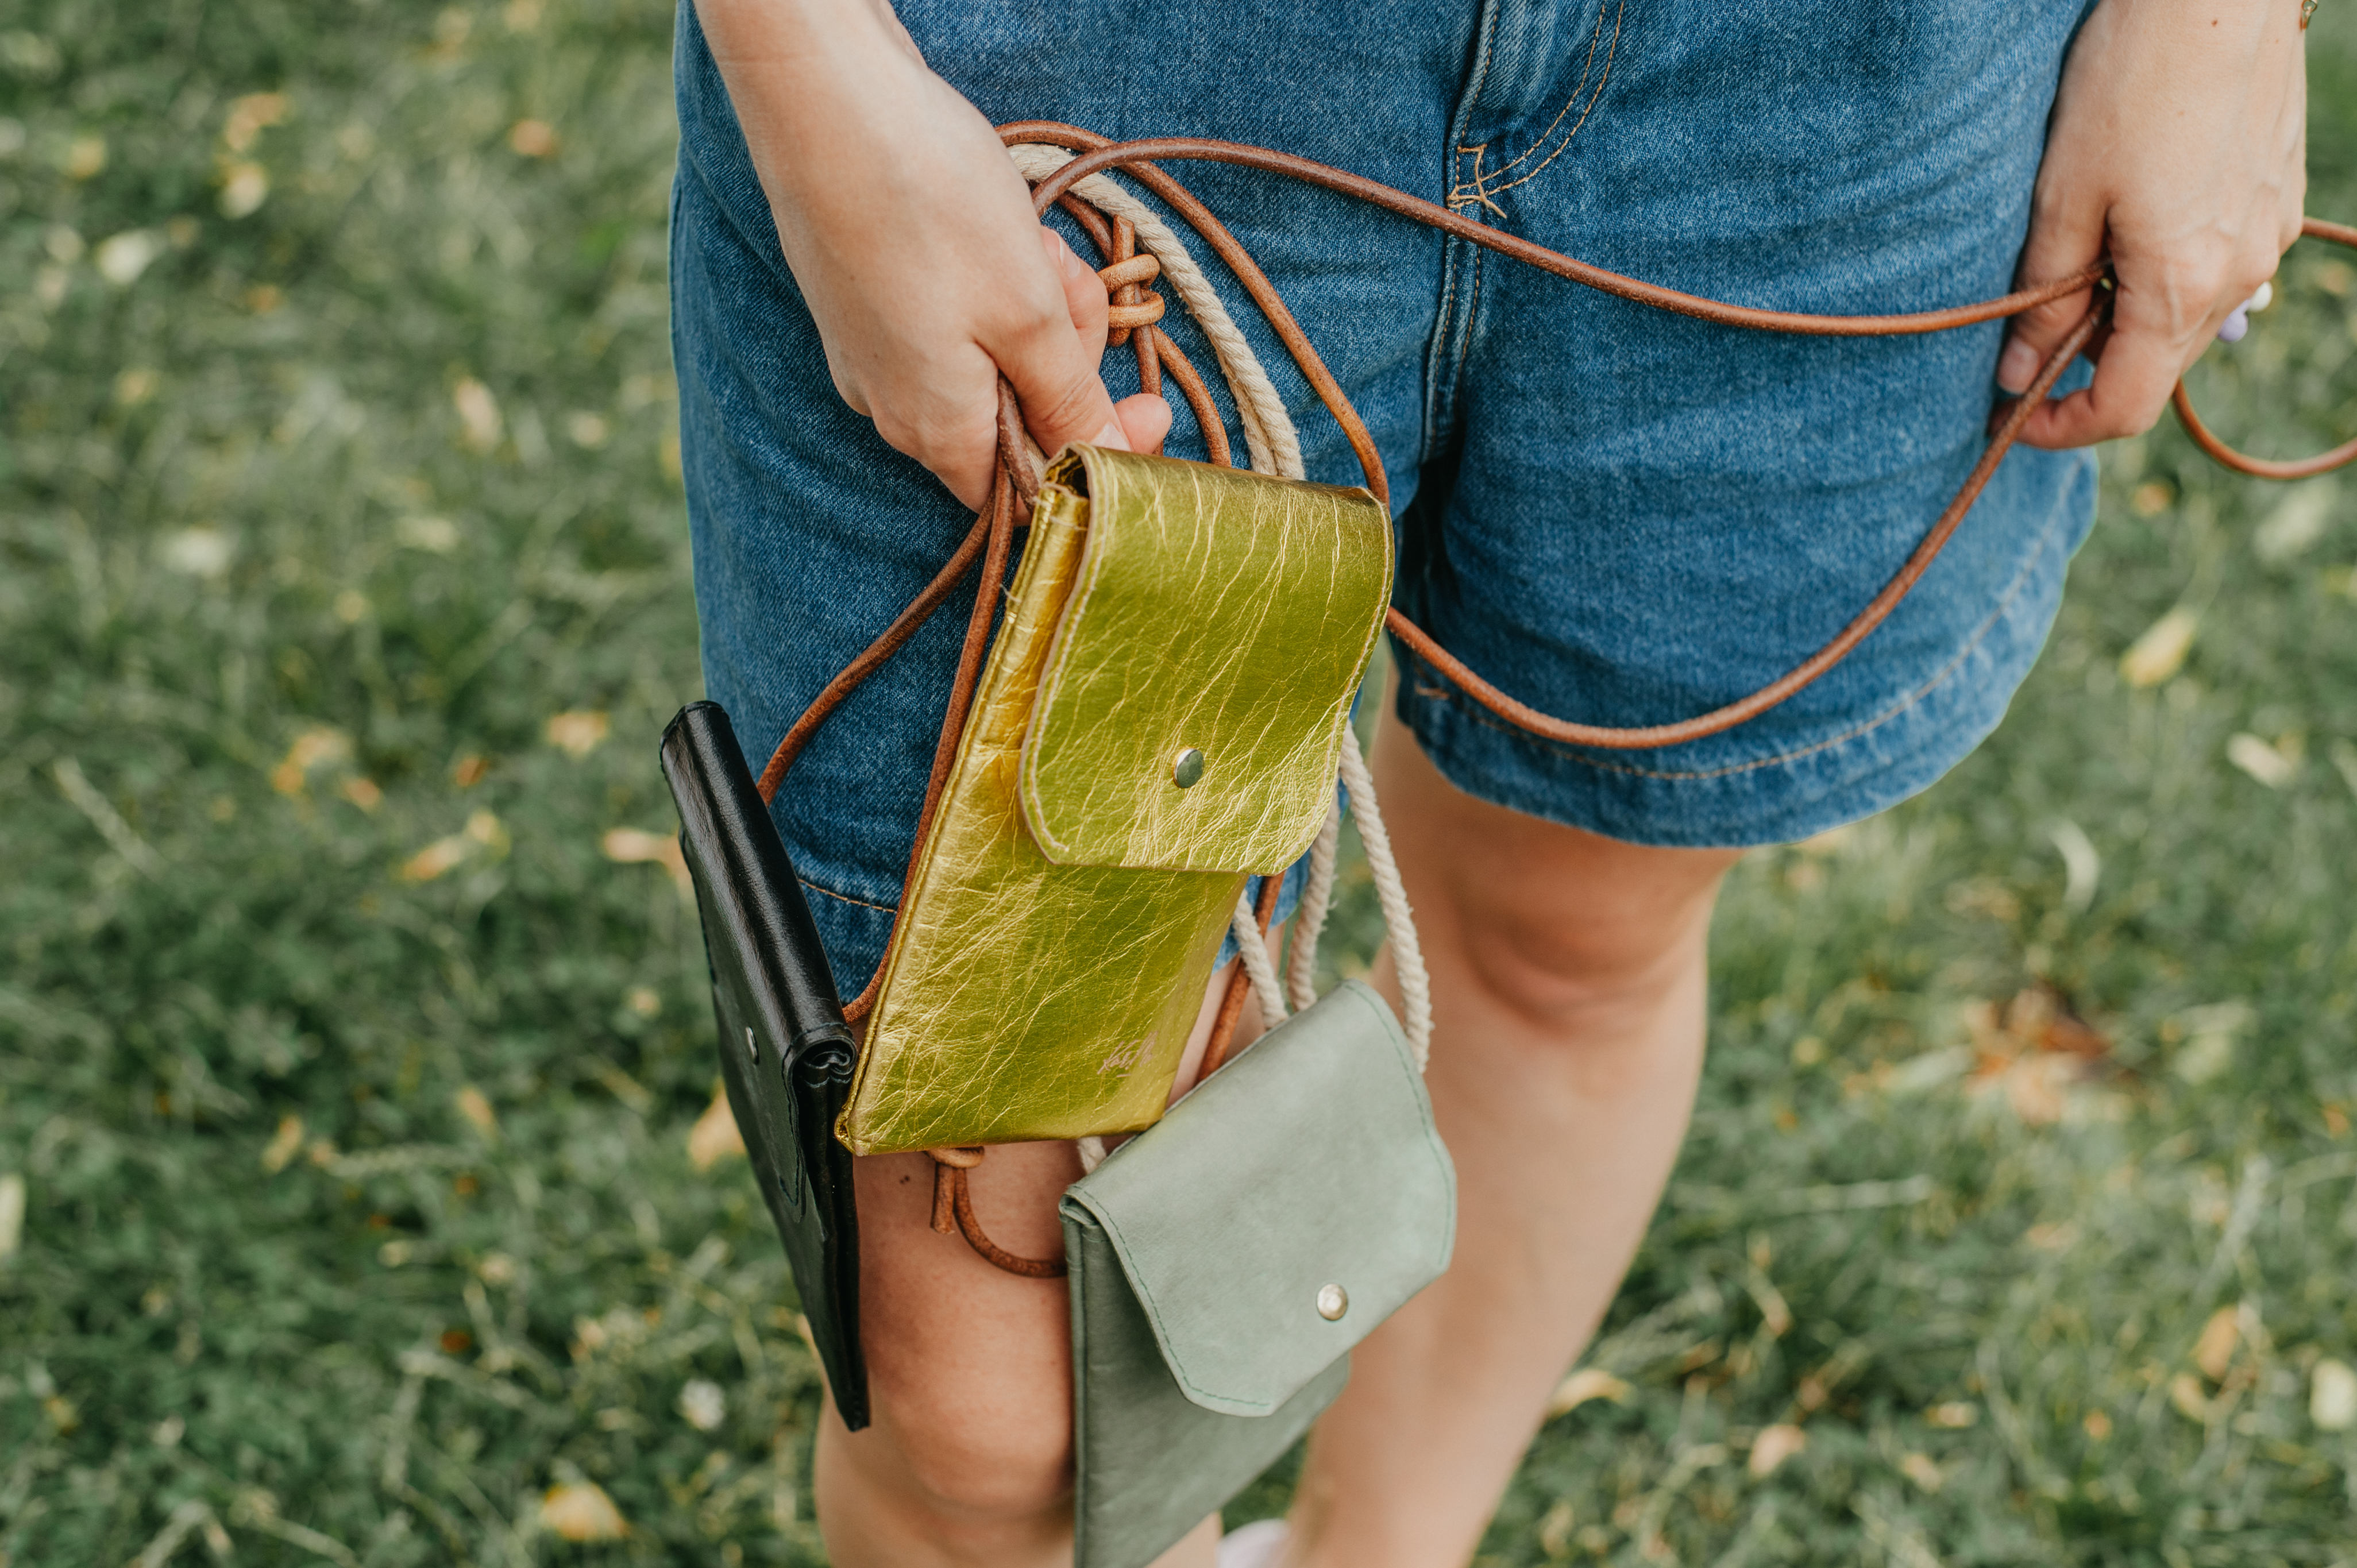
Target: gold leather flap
1191 713
1021 999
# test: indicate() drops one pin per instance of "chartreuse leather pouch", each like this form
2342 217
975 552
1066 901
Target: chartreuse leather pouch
1159 717
1223 1263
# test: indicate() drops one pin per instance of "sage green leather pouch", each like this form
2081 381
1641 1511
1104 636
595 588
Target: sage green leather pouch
1224 1261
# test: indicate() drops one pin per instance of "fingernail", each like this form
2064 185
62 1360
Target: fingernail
1112 435
2017 366
2231 330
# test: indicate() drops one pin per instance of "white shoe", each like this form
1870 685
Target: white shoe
1257 1545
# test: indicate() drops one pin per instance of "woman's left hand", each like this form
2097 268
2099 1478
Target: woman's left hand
2179 145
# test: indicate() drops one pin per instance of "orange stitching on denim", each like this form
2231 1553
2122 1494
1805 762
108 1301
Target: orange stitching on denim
1481 191
1586 69
1471 99
1980 634
845 898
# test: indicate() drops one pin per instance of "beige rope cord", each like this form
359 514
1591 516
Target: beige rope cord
1316 897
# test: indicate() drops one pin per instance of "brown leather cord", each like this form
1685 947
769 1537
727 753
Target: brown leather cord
1097 153
1232 1001
2269 467
1228 249
904 626
1525 718
1199 397
1117 242
953 1215
1015 447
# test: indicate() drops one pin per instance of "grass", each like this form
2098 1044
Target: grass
346 1076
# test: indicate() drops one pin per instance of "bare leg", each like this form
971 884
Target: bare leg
968 1462
1567 978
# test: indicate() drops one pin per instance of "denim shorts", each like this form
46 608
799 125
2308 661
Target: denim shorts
1617 515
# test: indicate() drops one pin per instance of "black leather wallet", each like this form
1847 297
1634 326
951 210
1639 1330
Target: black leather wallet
786 1053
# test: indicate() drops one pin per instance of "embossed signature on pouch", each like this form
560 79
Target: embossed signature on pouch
1124 1058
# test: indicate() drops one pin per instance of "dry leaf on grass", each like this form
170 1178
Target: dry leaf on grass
2214 1350
578 733
283 1146
533 138
442 855
1587 1383
12 1214
245 185
2082 867
2211 1034
1774 1446
312 749
636 846
2033 1051
478 1111
580 1510
2160 651
250 115
479 413
701 1404
715 1136
2260 760
1555 1530
2332 1397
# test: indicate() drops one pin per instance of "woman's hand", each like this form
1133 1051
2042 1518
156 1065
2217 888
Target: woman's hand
912 239
2178 144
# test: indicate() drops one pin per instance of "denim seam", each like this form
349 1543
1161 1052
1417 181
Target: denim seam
1438 352
845 898
1445 363
1481 191
1980 634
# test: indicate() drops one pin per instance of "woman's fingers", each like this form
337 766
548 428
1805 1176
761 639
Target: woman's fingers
2066 234
2136 369
946 414
1145 419
1052 364
2175 147
2165 311
1084 291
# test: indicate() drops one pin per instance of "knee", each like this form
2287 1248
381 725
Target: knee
977 1449
968 1369
1586 969
1559 977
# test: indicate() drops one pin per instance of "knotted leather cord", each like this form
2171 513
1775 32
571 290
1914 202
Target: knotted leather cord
1132 315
